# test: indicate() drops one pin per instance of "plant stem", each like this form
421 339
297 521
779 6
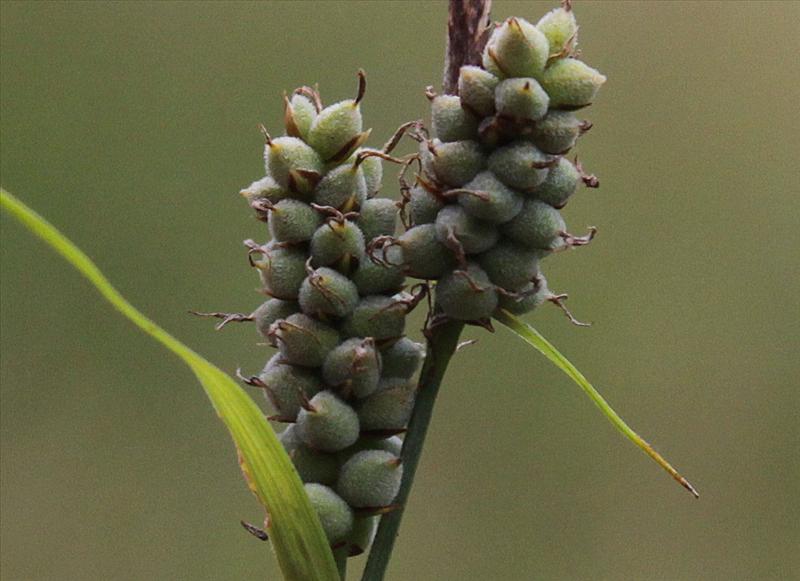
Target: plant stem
467 26
441 346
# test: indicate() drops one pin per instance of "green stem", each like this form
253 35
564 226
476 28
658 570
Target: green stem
441 346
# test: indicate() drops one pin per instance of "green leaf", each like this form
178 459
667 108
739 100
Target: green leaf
294 529
533 337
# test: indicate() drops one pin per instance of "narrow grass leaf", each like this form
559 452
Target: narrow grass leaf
297 537
533 337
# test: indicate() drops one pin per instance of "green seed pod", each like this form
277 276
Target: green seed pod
293 164
528 298
299 113
450 121
354 367
466 295
327 423
388 409
293 221
571 83
343 188
424 256
288 386
453 163
370 479
373 173
520 165
521 99
558 131
362 535
282 269
562 181
476 89
423 205
454 226
272 310
327 292
488 199
266 191
538 225
392 444
509 265
561 30
336 131
377 217
334 515
302 340
403 358
376 279
516 48
337 242
311 465
376 316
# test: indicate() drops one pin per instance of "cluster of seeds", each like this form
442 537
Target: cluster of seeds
484 210
342 374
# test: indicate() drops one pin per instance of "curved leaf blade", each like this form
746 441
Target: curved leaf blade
297 537
533 337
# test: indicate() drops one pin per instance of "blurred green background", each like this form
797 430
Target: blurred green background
132 126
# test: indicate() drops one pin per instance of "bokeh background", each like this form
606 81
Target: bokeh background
132 126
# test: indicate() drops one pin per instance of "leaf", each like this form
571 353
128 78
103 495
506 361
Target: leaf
297 537
533 337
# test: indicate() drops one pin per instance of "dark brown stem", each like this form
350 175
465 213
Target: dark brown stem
467 25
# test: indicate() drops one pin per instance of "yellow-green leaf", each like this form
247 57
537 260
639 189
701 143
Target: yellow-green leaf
533 337
294 529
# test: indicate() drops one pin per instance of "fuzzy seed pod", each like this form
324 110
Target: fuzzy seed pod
328 292
424 255
293 221
537 226
423 205
270 311
334 514
453 163
293 164
282 269
288 386
561 183
327 423
266 191
520 165
527 298
561 30
454 226
377 217
522 99
354 367
375 279
516 48
337 242
336 130
362 535
509 265
370 479
488 199
476 89
557 132
373 174
571 83
303 341
376 316
392 444
450 121
299 114
403 358
311 465
388 409
467 295
343 188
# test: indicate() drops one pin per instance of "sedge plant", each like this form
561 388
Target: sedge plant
474 229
